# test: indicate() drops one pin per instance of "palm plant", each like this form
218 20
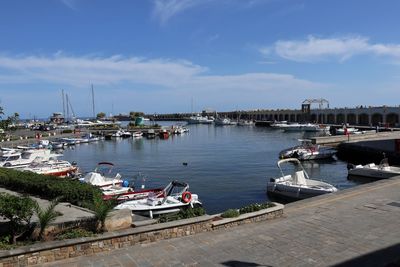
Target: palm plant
101 210
46 216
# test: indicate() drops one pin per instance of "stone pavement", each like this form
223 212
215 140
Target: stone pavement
355 227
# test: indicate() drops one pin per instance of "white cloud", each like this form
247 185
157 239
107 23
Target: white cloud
166 9
315 49
167 74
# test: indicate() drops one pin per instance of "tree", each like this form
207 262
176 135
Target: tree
1 111
18 210
101 115
46 216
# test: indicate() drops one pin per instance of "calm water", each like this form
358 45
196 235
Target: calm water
228 166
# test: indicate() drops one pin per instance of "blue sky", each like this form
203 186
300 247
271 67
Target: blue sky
157 55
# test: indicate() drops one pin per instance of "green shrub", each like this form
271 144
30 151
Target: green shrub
5 243
47 187
231 213
67 131
255 207
182 214
74 233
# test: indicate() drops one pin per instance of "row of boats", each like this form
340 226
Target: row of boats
219 121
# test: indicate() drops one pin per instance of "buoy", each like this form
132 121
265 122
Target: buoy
185 163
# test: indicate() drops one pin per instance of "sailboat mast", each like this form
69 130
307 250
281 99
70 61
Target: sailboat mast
66 97
63 102
94 114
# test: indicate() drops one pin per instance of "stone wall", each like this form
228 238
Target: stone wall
262 215
58 250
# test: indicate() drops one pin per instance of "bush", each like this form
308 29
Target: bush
47 187
74 233
231 213
182 214
67 131
255 207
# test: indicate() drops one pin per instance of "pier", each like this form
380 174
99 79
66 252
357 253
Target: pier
353 227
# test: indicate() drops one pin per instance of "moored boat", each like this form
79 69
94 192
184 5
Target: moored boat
297 185
307 151
381 171
174 197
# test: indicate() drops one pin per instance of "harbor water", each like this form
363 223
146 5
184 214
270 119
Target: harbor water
227 166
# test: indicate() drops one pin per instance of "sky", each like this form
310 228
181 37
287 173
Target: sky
172 56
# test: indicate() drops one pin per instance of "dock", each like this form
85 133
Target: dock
335 140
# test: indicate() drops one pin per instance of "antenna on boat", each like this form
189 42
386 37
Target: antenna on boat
94 114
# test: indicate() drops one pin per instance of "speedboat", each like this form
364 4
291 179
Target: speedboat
381 171
174 197
308 151
103 176
297 185
137 134
53 167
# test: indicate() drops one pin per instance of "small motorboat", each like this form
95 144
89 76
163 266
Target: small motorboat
297 185
53 167
151 134
307 151
174 197
137 135
381 171
346 131
103 176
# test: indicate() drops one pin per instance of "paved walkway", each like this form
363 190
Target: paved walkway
355 227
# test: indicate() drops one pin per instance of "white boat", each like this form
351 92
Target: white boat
346 131
297 185
311 127
60 168
198 119
293 127
137 135
245 123
222 121
308 151
17 158
117 134
279 124
381 171
126 134
103 176
174 197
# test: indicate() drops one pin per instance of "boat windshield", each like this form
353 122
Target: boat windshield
384 163
9 158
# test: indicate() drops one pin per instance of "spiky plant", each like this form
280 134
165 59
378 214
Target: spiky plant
101 209
46 216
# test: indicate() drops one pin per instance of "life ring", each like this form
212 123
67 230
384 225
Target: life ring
186 197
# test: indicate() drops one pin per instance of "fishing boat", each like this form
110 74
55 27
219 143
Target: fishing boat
174 197
381 171
297 185
307 151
